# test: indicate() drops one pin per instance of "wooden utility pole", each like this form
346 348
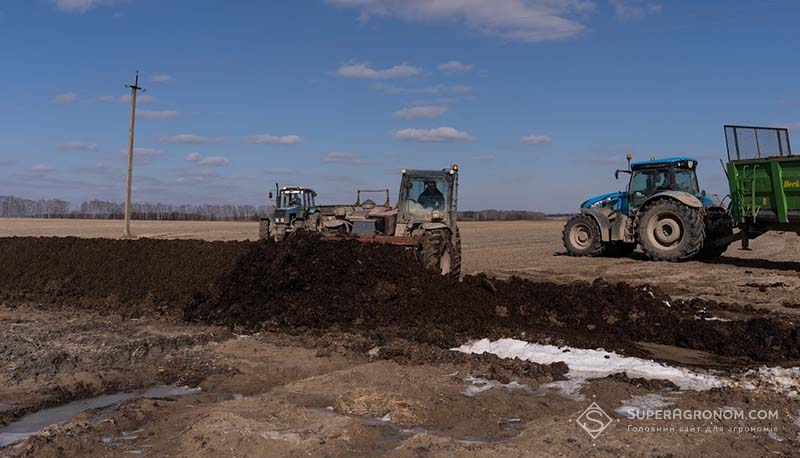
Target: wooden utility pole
128 206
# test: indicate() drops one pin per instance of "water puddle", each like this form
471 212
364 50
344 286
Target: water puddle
37 421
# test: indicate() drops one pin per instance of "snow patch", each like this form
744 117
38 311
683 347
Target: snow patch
585 364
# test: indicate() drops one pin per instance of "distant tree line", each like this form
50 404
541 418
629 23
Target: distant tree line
500 215
18 207
96 209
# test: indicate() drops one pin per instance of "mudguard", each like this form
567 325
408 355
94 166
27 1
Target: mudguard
602 220
434 226
684 197
334 223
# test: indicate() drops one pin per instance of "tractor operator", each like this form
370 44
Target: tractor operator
431 197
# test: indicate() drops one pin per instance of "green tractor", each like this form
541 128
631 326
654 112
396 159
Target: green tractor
424 220
664 212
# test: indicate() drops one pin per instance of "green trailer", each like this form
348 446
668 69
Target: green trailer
764 181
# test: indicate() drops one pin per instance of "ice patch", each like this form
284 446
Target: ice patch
584 364
478 385
639 405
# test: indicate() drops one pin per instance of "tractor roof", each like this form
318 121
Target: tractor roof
297 189
434 174
661 162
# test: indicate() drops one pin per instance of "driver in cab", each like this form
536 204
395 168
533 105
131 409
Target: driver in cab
431 197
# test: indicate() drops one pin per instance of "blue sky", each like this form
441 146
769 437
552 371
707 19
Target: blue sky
537 100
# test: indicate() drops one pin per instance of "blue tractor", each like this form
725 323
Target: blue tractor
663 211
295 209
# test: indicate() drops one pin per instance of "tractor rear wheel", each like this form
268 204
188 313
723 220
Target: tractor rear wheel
263 229
437 252
671 231
581 237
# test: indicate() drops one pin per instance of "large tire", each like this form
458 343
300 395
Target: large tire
671 231
581 237
263 229
719 224
455 271
436 252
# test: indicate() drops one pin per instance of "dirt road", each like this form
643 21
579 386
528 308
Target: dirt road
364 371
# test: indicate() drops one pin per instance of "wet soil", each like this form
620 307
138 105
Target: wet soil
308 284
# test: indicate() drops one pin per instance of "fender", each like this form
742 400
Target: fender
681 196
434 226
334 223
602 220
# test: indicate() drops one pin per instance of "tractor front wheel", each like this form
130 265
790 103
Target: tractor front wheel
671 231
436 251
581 237
263 229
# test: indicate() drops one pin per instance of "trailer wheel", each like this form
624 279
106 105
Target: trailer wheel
671 231
436 252
719 226
263 229
581 237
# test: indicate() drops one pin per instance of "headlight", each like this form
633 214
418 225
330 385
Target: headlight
437 215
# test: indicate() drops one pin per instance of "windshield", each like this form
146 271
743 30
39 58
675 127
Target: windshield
425 195
686 180
647 182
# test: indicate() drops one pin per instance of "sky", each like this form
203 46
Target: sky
538 101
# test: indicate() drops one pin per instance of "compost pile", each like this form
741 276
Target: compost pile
131 277
307 284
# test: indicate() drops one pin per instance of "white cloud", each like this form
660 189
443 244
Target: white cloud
156 114
80 6
273 139
520 20
438 89
344 158
162 79
634 9
484 158
280 171
150 152
366 72
42 168
77 146
455 66
69 97
199 159
141 98
190 139
437 135
420 112
536 139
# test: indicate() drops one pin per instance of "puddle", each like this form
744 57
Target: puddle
37 421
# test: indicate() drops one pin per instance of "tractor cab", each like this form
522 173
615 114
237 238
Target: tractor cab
293 202
428 196
659 175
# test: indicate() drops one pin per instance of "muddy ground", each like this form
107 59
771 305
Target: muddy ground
327 358
764 277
